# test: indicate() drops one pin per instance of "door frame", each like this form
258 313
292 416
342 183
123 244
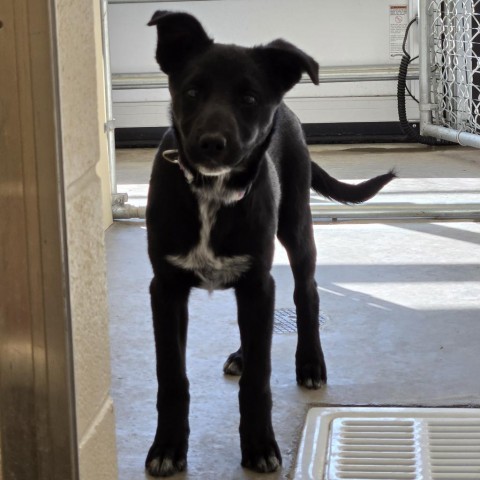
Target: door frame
38 436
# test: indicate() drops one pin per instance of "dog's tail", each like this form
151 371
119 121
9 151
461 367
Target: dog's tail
334 189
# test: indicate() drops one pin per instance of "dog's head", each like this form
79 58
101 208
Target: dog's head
224 97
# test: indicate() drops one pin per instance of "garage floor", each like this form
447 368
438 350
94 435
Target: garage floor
401 303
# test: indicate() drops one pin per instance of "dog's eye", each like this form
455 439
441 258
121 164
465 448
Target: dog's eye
192 93
249 100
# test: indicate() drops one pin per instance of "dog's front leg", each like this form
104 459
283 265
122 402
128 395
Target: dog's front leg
168 453
255 300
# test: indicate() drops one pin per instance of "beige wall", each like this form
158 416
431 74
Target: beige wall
84 150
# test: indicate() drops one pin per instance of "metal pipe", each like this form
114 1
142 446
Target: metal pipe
126 211
120 209
465 139
367 73
424 66
373 212
152 1
370 73
399 211
110 121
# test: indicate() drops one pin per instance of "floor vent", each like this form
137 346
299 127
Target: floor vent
390 444
285 320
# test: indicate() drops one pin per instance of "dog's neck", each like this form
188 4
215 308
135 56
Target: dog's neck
217 189
227 188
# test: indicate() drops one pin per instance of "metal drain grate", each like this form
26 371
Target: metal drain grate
390 443
372 448
285 320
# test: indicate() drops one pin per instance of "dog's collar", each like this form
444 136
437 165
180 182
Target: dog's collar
173 156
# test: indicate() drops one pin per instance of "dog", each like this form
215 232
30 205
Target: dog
232 172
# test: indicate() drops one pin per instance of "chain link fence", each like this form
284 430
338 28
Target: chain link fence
453 56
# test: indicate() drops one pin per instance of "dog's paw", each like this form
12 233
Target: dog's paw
164 464
234 364
267 460
165 467
312 375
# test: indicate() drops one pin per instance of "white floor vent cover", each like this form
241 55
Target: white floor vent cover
389 444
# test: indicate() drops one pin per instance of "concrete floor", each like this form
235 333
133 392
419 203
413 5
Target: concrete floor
401 302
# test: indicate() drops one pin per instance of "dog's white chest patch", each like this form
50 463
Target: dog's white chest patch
215 272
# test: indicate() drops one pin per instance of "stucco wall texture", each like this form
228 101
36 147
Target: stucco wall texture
82 113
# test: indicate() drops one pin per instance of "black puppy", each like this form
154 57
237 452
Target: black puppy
232 172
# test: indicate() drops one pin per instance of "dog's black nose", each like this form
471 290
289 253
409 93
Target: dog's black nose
212 144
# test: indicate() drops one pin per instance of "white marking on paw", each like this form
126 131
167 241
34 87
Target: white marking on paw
262 465
269 464
154 467
166 468
232 368
309 383
273 463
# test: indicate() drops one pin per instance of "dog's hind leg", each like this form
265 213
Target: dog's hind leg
296 234
255 298
168 453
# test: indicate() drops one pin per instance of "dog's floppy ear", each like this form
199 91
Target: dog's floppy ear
180 36
285 64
